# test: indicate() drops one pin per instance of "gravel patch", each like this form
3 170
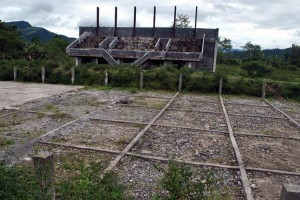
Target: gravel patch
134 114
30 125
143 177
244 100
268 186
265 126
199 97
103 135
196 105
190 145
270 153
194 120
252 110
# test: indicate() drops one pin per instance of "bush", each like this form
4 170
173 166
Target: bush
125 77
256 69
164 78
87 184
181 183
18 183
202 82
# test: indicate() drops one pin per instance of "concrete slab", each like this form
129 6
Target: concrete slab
14 93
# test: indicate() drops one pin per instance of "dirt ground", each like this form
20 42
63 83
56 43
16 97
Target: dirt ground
88 118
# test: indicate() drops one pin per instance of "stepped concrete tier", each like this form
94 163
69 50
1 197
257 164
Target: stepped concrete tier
142 46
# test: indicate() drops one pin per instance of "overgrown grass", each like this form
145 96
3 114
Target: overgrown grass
87 184
181 182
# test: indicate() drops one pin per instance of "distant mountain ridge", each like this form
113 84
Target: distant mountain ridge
29 32
237 53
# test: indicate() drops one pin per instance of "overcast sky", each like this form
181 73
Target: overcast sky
269 23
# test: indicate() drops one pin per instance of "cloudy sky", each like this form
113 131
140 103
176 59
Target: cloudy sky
269 23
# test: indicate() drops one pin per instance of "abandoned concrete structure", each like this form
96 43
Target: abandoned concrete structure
194 47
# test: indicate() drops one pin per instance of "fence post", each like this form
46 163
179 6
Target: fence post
43 74
264 89
180 82
44 173
106 78
73 75
141 80
221 86
15 73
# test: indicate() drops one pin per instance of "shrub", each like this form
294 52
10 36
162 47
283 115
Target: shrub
18 183
181 183
165 78
256 69
87 184
125 77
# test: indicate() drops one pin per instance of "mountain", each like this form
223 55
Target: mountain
238 53
29 32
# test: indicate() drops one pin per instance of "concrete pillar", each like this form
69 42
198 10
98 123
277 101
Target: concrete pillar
43 74
96 61
189 65
290 192
221 86
77 61
180 83
141 80
264 89
119 61
15 73
44 173
106 78
72 75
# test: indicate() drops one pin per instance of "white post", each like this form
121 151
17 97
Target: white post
221 86
43 74
106 78
264 89
73 75
180 82
141 80
15 73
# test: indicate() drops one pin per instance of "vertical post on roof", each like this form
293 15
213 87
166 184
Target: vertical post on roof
174 25
116 20
154 19
134 22
196 15
97 22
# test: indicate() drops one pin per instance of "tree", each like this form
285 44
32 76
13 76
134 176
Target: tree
11 42
182 21
224 50
252 51
224 45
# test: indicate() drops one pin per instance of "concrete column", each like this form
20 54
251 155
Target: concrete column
189 65
15 73
43 74
106 78
44 173
290 192
77 61
221 86
264 89
96 61
180 83
141 80
72 75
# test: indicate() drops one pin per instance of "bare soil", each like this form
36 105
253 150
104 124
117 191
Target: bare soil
269 153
